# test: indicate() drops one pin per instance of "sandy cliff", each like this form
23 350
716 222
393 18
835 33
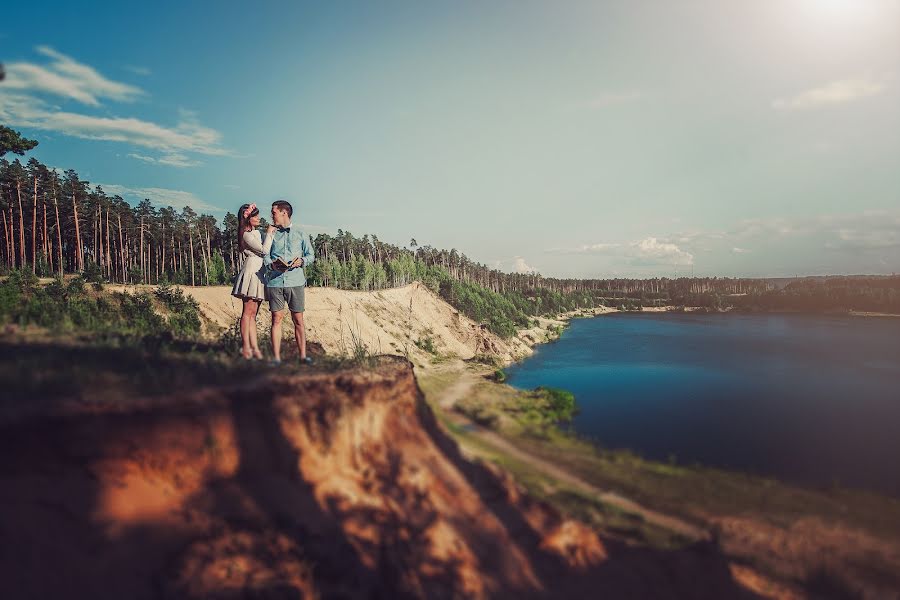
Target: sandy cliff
318 485
387 322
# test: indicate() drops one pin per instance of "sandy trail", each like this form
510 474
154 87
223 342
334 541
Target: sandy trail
464 384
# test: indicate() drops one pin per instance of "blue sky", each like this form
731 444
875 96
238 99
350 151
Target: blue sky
579 139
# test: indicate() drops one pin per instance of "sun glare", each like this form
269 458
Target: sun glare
840 10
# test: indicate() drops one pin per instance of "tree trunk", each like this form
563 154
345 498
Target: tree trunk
207 257
21 226
45 241
142 249
109 271
6 239
163 238
79 250
191 237
34 230
121 249
12 239
58 236
203 257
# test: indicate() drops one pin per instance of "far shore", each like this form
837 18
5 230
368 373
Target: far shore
855 313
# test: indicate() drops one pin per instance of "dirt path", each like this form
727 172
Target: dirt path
467 380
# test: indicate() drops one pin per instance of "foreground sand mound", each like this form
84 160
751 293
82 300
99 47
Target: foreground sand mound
388 321
319 485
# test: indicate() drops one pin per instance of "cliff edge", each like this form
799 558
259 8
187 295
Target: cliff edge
330 484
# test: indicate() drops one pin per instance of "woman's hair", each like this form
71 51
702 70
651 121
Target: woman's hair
245 213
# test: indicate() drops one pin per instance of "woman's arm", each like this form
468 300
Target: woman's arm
252 243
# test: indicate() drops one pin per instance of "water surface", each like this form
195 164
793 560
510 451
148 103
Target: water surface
808 399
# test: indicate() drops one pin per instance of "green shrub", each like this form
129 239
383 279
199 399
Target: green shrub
560 404
184 317
92 273
426 343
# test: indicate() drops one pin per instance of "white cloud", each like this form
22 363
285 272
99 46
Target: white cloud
173 159
67 78
520 266
141 157
856 239
187 136
161 196
648 252
737 250
834 93
231 186
601 248
652 251
24 103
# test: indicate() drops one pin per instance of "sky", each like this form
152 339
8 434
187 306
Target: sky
578 139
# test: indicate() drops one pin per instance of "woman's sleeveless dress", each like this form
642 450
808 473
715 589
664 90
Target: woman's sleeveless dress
249 282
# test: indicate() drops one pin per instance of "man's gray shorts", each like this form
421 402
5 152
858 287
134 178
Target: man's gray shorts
293 297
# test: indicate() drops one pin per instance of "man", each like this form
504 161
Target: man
285 279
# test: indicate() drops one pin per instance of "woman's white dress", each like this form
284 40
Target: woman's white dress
249 282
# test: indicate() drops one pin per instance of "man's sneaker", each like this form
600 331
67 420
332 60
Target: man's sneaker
274 363
306 360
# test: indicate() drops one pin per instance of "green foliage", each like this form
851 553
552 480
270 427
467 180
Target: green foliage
426 342
134 274
71 307
92 273
12 141
138 314
480 304
184 311
558 405
218 273
540 410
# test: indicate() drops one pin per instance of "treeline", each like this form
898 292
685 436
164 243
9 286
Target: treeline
55 224
834 294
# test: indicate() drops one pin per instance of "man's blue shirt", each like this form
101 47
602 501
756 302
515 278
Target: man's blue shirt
287 244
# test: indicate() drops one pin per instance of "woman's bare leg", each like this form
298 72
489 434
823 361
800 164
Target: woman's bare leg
246 321
254 344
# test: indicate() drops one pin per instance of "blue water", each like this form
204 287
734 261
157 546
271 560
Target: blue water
808 399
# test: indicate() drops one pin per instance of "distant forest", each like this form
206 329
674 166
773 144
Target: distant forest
56 224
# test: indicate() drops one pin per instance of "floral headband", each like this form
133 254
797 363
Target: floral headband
249 210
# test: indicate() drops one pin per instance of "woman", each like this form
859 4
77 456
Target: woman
249 285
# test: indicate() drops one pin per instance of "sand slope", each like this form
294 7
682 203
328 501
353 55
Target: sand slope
386 322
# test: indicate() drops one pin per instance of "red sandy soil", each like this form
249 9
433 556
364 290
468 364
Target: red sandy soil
330 485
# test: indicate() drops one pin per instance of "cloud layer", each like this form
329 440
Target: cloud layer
63 77
67 78
831 94
161 196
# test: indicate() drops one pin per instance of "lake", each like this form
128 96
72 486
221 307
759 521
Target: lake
807 399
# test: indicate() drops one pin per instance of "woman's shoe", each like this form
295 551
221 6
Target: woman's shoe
274 363
306 360
257 354
246 355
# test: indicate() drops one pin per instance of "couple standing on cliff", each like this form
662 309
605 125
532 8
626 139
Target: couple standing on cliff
273 271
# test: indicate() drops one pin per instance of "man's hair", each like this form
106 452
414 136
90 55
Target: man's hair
284 205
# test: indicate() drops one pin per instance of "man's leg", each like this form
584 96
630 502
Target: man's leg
277 318
299 333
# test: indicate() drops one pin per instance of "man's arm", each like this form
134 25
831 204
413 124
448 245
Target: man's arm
308 254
